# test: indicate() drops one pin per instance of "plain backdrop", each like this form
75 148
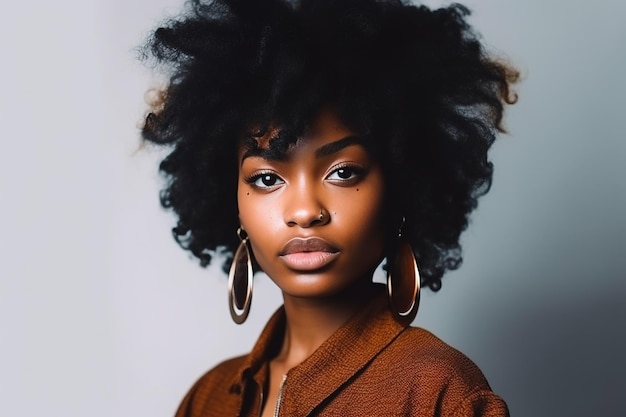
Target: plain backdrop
102 315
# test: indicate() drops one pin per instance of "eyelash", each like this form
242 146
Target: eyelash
252 180
356 172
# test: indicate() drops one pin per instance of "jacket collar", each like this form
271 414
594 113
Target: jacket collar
346 352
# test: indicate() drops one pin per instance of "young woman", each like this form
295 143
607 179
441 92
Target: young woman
313 140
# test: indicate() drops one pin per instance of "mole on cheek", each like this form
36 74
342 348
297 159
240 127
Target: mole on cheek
357 189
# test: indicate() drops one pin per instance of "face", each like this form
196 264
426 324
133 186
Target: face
314 218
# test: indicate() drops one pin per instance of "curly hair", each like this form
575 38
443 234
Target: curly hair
417 83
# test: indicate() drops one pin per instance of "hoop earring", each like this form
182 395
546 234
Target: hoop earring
403 268
240 272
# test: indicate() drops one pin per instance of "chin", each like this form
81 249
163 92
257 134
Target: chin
314 285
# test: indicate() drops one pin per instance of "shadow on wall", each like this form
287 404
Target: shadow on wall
570 357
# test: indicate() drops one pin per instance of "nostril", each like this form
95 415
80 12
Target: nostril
307 218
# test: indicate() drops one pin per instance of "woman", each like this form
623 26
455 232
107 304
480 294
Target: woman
312 140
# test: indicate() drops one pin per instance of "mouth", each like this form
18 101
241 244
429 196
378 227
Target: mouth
308 254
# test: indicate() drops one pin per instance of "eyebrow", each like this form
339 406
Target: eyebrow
321 152
334 147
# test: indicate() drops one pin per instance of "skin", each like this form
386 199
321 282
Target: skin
326 172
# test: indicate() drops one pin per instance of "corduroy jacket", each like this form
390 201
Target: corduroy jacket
372 366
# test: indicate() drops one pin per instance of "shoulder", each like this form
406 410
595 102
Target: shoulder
441 378
219 377
428 354
217 383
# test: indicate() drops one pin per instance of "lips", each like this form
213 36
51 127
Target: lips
308 254
311 244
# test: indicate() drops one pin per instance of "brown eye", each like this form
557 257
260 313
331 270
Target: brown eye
346 173
269 180
265 180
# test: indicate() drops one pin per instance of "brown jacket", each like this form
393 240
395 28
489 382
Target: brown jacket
372 366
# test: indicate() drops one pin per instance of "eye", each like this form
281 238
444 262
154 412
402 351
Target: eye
346 174
264 180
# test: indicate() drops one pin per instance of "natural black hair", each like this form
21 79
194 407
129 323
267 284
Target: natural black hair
417 83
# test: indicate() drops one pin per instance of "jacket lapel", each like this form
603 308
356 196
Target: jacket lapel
350 349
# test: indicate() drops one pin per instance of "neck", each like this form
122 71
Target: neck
311 321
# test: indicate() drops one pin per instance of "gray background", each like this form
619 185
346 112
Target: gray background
102 315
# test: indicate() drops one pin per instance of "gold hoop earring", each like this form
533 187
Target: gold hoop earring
240 273
403 269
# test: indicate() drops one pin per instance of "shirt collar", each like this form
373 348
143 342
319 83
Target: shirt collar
343 354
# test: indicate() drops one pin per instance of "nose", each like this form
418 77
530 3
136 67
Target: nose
304 209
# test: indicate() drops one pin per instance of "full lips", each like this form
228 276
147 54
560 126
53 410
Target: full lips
308 254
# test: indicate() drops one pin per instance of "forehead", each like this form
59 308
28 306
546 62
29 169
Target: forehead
328 125
277 143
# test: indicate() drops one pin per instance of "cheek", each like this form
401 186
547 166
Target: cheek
241 202
250 223
361 218
258 219
241 206
256 213
246 207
